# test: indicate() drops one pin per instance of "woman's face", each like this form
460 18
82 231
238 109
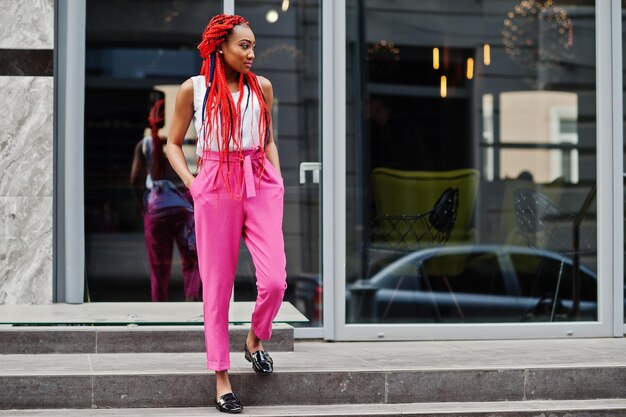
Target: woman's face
238 49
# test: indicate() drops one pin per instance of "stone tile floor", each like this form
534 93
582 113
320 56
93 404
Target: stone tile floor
317 357
340 356
497 408
125 313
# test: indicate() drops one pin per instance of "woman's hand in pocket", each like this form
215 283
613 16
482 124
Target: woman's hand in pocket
189 181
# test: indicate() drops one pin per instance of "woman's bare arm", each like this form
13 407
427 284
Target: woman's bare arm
183 114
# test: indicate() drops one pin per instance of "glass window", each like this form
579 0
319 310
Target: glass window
288 54
139 52
471 125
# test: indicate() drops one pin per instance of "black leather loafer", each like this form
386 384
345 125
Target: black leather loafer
229 403
261 361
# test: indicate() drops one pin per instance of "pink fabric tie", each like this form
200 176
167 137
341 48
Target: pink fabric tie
248 177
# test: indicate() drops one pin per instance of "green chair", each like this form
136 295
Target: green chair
408 205
406 232
410 192
400 193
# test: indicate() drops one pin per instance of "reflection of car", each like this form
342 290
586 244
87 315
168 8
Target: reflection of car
482 283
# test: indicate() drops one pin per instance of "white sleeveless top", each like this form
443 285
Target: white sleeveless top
250 110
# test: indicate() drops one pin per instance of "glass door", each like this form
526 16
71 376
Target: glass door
136 52
135 58
473 169
288 54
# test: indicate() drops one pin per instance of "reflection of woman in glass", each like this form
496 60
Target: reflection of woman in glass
238 191
167 213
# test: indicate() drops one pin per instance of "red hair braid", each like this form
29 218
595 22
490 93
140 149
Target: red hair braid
156 120
222 118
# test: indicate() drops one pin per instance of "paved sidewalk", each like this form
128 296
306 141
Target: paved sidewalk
341 356
379 376
570 408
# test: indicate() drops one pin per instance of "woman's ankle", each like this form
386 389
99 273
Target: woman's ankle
222 383
253 342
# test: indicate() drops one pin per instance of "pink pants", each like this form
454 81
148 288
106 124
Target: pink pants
252 208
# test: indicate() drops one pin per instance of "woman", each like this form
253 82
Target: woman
237 192
167 212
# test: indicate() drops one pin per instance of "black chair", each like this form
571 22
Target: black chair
392 235
546 227
395 235
409 232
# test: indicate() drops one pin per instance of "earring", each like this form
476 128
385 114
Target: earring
221 52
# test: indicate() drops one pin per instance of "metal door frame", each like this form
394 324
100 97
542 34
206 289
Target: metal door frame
609 200
69 230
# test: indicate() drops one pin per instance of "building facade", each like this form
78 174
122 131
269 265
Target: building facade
453 169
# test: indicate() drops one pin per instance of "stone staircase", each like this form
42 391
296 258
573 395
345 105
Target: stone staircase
585 408
142 371
126 339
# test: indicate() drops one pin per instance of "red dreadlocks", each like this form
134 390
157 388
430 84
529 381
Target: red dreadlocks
156 120
220 105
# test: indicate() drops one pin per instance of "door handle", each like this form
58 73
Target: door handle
315 167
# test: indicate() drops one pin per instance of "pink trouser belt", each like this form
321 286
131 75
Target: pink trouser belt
239 157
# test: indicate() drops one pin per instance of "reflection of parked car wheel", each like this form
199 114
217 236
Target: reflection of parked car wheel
490 283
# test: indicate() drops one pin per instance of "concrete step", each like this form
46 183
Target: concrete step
590 408
127 339
111 314
318 373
